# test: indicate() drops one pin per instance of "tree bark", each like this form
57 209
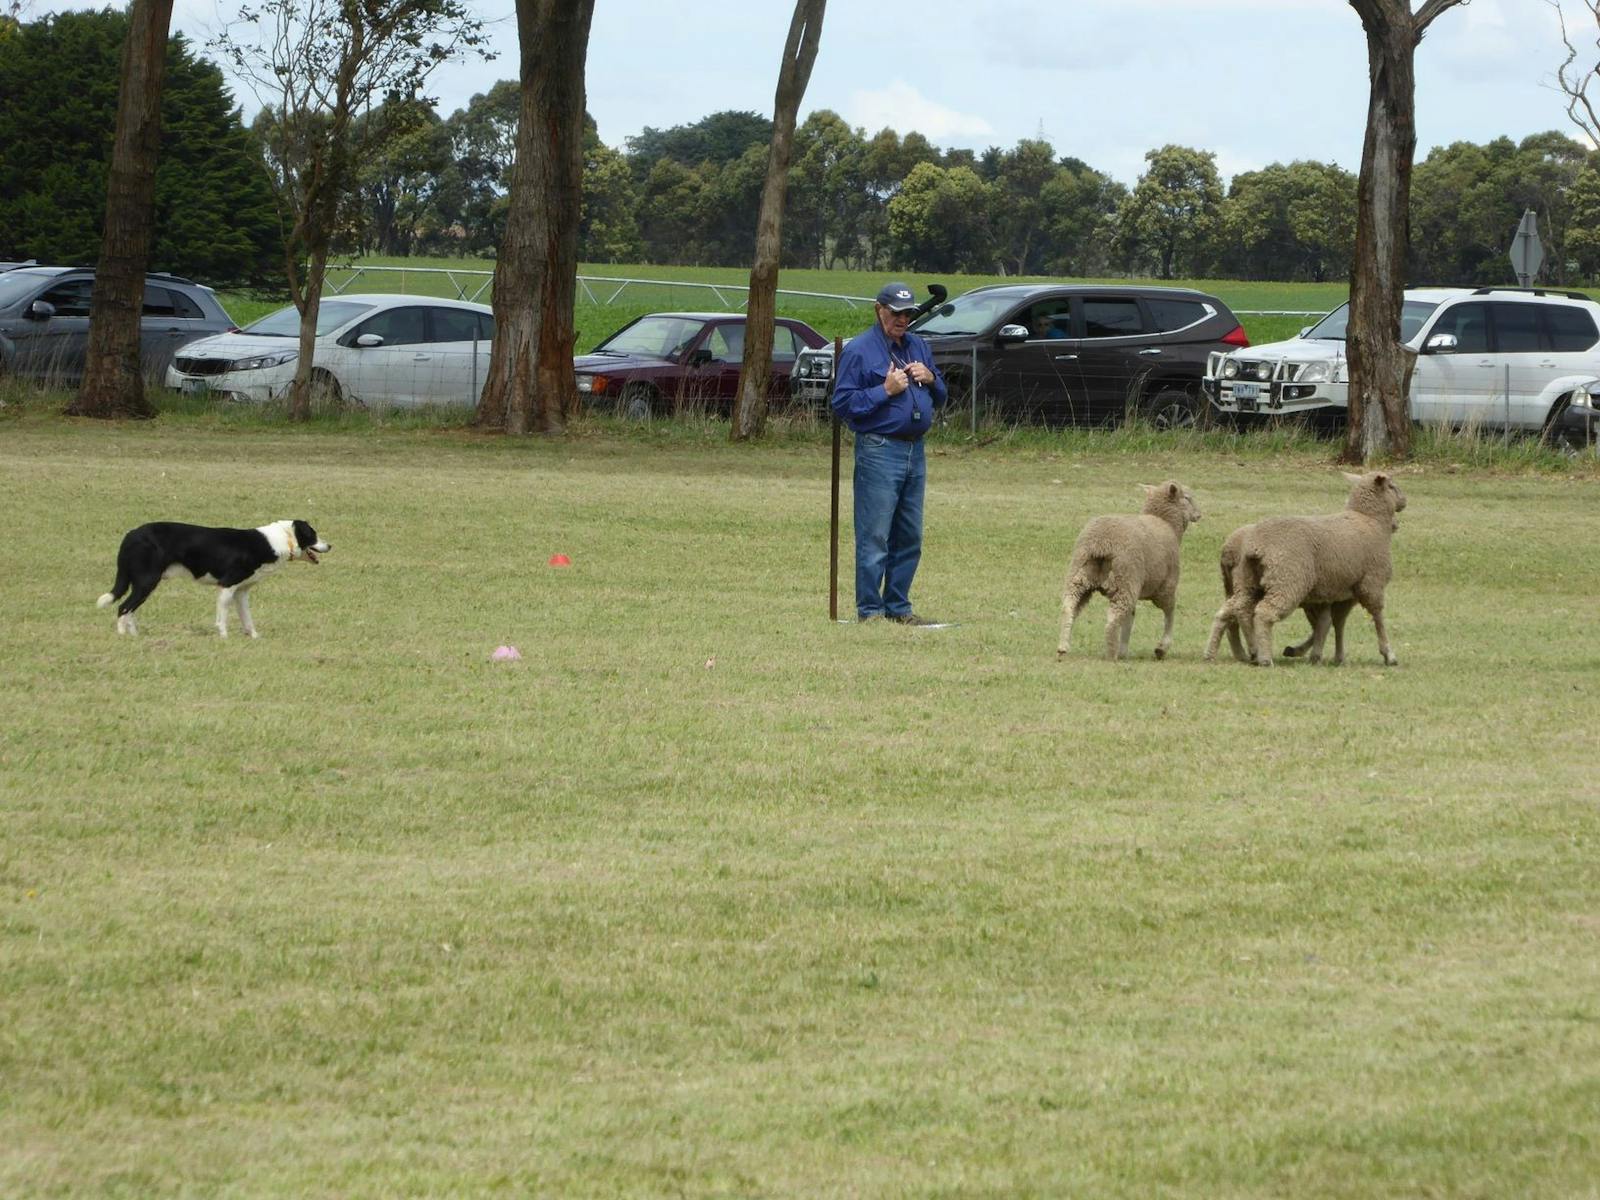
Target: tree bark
530 385
1379 417
755 374
113 384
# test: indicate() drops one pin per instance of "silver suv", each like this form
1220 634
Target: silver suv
44 322
1502 358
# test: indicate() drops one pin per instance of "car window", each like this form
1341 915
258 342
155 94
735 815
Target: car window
158 302
1167 315
485 327
1516 328
785 345
659 337
397 326
726 343
71 298
453 325
975 312
1570 328
1049 319
1470 324
1111 318
286 321
1413 315
185 306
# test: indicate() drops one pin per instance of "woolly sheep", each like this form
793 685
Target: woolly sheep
1229 559
1329 563
1128 559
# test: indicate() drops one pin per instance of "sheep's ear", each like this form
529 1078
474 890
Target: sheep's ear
1380 479
1148 488
1173 491
1350 477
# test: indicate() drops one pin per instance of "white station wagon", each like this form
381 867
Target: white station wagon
1524 359
376 350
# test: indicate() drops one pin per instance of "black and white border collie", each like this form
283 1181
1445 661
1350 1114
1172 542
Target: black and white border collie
233 559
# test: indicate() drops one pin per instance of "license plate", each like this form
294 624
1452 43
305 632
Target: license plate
1246 391
196 385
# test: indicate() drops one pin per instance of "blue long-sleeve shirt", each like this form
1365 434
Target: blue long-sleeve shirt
858 396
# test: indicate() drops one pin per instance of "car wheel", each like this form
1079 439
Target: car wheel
1554 436
637 402
326 394
1172 409
957 409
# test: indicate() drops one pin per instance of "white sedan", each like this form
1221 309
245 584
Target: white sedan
375 350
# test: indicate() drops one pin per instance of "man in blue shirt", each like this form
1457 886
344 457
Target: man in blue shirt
886 388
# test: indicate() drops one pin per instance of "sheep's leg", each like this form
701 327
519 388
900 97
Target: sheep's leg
1341 610
1311 647
1073 601
1269 612
1233 616
1234 642
1119 624
1168 610
1376 609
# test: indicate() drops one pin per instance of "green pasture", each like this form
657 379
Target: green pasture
708 896
601 309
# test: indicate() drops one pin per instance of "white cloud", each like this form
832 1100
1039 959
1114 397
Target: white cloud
903 108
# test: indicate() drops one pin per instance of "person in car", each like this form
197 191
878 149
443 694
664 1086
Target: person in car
886 389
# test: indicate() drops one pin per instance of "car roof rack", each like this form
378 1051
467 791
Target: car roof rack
1531 291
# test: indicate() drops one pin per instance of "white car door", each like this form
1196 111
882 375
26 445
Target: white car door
399 369
460 346
1524 362
1450 384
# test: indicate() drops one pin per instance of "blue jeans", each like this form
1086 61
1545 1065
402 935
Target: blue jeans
889 481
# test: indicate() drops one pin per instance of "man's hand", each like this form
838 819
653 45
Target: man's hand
894 380
919 371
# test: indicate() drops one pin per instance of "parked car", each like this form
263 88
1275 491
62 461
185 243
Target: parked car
662 361
1493 357
1069 354
377 350
44 321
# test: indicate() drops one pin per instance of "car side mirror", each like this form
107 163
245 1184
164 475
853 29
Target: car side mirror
41 310
1012 333
370 339
701 357
1441 341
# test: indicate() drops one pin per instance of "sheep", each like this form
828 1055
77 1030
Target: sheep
1229 560
1326 563
1128 559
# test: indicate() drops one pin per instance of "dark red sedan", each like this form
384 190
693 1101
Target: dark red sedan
663 363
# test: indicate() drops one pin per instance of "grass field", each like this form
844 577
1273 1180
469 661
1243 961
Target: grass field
708 896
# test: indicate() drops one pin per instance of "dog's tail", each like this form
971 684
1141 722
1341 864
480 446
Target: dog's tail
117 589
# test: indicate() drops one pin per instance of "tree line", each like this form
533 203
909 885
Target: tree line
689 195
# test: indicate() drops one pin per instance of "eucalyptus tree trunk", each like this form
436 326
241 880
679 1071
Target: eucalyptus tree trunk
113 385
1380 367
755 375
530 385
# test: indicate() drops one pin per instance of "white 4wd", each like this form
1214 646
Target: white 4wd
1502 358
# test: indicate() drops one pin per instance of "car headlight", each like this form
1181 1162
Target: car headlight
1230 368
1263 371
1588 396
591 385
1314 372
276 359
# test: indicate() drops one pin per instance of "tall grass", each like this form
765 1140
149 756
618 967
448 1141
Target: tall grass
709 896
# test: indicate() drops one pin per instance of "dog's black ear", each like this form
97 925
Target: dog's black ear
304 534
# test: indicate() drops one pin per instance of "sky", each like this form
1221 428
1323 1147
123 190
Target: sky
1106 81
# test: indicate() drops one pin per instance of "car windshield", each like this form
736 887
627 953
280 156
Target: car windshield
331 314
1332 327
14 285
972 313
653 337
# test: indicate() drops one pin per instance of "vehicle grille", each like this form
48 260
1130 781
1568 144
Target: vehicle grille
202 366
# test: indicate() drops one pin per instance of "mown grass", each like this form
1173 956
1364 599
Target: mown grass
709 896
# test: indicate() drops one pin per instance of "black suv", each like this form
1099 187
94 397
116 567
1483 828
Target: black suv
44 322
1067 354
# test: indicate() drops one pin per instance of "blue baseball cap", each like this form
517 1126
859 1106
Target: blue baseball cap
897 297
